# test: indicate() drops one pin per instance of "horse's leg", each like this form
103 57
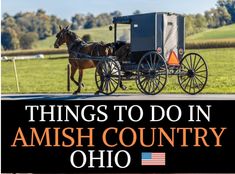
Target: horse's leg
123 87
73 71
80 84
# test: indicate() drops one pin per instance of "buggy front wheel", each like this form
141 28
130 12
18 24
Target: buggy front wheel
107 76
151 73
193 73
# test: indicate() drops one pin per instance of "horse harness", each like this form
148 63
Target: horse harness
74 49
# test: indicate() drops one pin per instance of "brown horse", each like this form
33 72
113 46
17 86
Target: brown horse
76 49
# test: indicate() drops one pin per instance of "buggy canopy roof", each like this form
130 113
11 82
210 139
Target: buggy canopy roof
128 19
160 31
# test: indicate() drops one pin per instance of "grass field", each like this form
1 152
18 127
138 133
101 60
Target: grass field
226 33
49 75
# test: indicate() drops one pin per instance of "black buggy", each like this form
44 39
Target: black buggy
157 46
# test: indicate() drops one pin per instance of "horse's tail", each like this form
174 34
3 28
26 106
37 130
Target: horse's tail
97 50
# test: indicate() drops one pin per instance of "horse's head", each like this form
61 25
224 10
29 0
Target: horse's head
61 36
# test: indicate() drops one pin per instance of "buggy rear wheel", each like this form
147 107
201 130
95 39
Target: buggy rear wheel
107 76
151 73
193 73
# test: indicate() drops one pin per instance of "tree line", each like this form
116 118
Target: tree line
223 14
21 30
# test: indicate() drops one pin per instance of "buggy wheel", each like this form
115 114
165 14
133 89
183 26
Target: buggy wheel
151 73
107 76
193 73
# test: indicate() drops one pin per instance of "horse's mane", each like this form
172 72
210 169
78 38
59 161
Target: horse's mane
73 35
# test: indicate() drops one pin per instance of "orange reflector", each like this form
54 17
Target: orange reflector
173 59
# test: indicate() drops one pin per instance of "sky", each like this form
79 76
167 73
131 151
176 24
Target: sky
65 9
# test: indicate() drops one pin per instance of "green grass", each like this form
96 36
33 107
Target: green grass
49 75
226 33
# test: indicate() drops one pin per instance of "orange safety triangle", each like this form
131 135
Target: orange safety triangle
173 59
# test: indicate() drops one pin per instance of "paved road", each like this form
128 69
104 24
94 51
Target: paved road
117 97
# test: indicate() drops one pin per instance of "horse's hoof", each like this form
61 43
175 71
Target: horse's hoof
75 93
123 87
97 92
82 85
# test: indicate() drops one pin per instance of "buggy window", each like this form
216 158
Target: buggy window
123 32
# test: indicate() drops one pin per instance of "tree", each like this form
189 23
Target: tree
27 40
189 25
195 23
136 12
116 13
6 40
5 15
10 39
40 12
230 7
77 21
90 21
223 14
200 21
43 24
103 19
14 28
211 17
56 22
217 17
8 22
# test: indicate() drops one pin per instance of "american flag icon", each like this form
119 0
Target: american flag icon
153 158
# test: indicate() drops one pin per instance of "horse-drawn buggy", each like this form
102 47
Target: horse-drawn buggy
156 50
